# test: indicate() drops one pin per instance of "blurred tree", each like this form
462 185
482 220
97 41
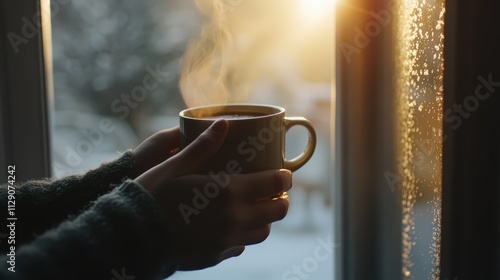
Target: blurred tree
102 48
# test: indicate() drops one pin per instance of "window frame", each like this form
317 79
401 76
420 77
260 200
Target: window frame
25 88
470 243
471 153
368 217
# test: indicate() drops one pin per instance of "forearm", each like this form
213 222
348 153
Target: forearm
124 232
42 205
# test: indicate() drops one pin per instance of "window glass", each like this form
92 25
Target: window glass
419 68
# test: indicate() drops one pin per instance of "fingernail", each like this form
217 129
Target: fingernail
219 125
287 175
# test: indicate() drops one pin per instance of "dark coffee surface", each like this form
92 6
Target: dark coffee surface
232 116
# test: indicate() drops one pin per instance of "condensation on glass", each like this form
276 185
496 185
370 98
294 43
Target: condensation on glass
419 87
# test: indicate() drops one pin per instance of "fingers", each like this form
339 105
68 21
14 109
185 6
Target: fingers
207 144
233 252
253 216
169 137
254 236
263 185
261 213
211 259
155 150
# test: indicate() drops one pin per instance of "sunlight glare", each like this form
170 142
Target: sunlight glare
314 9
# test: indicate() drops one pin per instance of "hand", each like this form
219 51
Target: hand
155 150
211 224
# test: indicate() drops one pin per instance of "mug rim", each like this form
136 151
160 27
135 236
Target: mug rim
278 110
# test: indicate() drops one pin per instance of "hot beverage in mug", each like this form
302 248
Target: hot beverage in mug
255 140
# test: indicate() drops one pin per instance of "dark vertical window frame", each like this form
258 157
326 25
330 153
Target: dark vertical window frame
368 225
471 152
25 93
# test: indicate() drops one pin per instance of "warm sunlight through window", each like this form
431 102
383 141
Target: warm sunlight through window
314 10
420 68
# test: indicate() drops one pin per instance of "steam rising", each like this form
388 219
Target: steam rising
242 43
205 63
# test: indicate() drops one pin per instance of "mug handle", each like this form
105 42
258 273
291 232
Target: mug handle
305 156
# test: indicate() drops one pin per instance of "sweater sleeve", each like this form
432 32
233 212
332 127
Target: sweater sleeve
44 204
124 235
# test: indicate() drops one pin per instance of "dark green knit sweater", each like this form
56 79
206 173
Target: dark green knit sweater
99 225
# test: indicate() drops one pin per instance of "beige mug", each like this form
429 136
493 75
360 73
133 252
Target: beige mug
255 140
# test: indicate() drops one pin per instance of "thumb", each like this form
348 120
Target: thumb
202 148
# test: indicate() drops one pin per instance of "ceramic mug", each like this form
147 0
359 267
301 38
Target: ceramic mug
255 140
